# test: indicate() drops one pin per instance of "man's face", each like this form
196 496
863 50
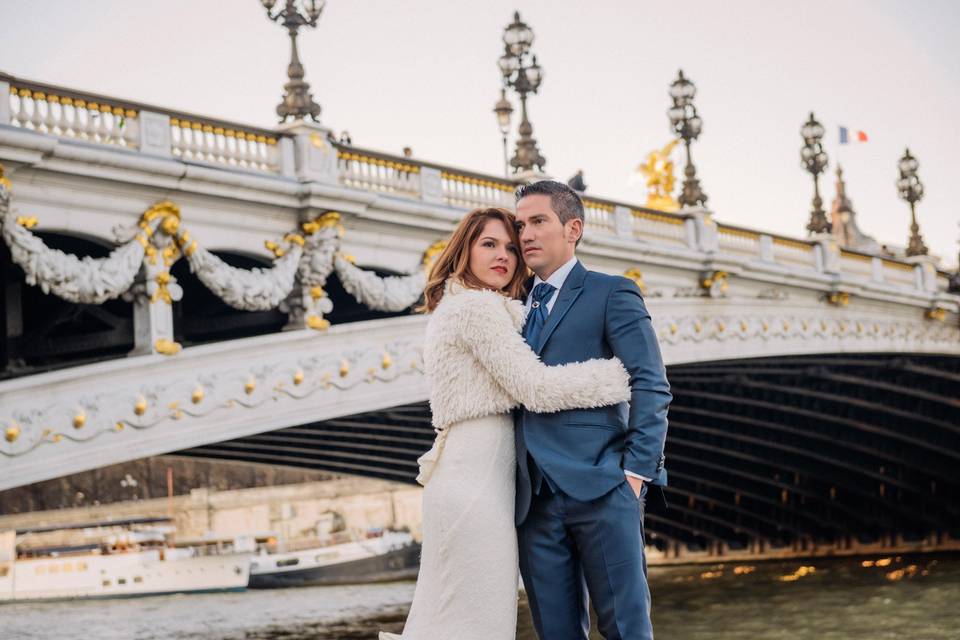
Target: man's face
546 243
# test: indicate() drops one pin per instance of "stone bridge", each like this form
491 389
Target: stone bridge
176 284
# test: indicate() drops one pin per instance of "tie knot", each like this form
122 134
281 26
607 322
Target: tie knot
542 292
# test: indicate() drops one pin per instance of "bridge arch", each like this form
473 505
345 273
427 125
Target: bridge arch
201 317
347 309
41 331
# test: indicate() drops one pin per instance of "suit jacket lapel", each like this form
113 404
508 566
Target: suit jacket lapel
567 295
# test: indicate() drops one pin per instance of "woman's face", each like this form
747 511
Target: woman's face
493 257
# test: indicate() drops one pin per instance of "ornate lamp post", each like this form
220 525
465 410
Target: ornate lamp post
504 110
814 159
297 102
522 73
911 190
686 125
953 285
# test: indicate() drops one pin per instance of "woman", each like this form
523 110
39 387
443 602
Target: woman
479 368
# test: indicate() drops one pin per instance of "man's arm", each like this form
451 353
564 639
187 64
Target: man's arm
630 334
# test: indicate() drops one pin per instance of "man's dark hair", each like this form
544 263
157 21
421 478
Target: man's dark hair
563 200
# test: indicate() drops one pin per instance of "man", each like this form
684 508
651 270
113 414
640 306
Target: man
582 476
576 182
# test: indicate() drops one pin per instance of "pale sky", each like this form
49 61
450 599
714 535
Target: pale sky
423 73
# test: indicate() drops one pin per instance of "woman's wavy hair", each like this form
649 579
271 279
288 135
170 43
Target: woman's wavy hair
454 260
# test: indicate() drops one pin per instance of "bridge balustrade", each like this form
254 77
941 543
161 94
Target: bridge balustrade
118 123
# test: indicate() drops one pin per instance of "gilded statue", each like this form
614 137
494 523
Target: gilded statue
657 169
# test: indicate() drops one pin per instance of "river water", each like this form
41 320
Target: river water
902 598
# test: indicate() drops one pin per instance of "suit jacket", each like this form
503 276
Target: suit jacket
584 451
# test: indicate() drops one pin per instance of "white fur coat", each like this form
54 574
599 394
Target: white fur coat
478 364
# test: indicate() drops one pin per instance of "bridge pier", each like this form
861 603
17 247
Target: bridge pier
153 313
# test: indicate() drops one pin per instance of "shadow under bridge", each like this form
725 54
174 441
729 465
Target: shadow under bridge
770 452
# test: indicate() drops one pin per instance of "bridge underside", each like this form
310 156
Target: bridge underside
777 452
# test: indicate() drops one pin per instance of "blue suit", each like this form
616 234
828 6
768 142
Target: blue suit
579 524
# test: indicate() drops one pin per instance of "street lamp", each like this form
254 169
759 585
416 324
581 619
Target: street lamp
687 126
297 102
911 190
953 285
814 159
504 110
522 73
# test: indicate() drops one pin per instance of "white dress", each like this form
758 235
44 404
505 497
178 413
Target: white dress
479 368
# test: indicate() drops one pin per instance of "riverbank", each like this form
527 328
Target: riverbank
290 511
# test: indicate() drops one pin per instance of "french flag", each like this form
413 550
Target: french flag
848 135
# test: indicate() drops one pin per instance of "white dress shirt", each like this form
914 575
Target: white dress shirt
557 278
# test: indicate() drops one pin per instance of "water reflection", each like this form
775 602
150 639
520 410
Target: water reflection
913 598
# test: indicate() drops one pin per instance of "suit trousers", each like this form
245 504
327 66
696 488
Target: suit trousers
574 552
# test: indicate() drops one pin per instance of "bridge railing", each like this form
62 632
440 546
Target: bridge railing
137 127
378 171
612 217
72 114
99 119
468 189
792 252
738 241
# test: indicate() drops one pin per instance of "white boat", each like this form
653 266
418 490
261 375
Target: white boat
117 560
379 556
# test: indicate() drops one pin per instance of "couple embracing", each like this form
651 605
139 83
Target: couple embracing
549 398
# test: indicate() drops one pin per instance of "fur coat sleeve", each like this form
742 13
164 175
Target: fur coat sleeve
486 327
478 365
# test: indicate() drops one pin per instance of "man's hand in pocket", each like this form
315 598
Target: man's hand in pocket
636 484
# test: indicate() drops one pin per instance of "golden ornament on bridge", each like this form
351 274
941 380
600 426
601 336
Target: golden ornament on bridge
432 253
166 347
4 180
637 276
657 169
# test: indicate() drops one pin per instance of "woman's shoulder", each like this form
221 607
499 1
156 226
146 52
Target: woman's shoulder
458 297
471 305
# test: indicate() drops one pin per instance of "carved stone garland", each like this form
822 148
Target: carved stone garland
80 280
294 283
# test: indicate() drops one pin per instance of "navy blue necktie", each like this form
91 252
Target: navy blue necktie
538 313
531 333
